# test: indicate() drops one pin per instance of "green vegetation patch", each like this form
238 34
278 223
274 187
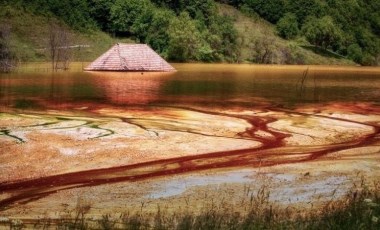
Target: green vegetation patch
204 31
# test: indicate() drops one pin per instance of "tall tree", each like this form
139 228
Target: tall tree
322 32
124 14
287 26
270 10
157 34
184 38
305 8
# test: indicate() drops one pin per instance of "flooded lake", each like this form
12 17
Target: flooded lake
141 140
211 84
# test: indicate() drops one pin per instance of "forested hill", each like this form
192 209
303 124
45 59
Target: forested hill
260 31
349 27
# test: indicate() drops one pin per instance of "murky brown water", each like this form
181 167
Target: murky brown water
211 84
207 89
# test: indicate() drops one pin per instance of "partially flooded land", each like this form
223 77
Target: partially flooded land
205 136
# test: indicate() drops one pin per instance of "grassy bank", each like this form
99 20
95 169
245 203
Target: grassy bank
360 209
30 37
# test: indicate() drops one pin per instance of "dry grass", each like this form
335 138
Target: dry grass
360 209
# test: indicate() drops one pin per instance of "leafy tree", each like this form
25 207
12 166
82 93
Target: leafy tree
270 10
124 13
184 39
148 21
367 40
100 11
157 35
235 3
355 53
142 23
368 59
305 8
321 32
222 38
287 26
193 7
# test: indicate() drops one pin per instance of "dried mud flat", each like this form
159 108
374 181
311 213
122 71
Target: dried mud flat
117 160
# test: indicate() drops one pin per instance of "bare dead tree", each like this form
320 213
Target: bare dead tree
59 47
301 84
8 60
266 49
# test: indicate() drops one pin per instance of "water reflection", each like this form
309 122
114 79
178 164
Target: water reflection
211 84
130 88
195 138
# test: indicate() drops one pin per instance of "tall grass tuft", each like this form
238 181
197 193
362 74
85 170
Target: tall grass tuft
360 209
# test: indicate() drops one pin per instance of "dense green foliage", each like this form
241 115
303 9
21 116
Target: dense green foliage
179 30
288 26
322 32
350 28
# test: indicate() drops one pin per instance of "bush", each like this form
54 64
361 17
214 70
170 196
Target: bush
184 39
287 26
355 53
322 32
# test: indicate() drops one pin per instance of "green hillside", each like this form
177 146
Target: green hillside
254 31
349 28
29 37
259 43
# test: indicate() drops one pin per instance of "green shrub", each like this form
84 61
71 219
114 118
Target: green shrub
287 26
355 53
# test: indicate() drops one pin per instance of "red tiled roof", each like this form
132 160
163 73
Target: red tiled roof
130 57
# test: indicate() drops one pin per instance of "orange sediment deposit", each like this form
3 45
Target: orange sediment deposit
268 137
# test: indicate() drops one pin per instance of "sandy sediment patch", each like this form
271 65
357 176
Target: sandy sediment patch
230 191
311 130
52 146
19 120
68 155
135 136
364 118
176 119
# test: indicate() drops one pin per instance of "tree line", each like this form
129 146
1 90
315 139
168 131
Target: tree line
350 28
183 30
179 30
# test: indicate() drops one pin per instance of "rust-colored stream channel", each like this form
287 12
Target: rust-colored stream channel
272 152
281 89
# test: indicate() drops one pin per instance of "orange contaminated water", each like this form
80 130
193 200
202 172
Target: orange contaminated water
281 89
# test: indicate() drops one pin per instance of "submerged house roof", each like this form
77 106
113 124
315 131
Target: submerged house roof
130 57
